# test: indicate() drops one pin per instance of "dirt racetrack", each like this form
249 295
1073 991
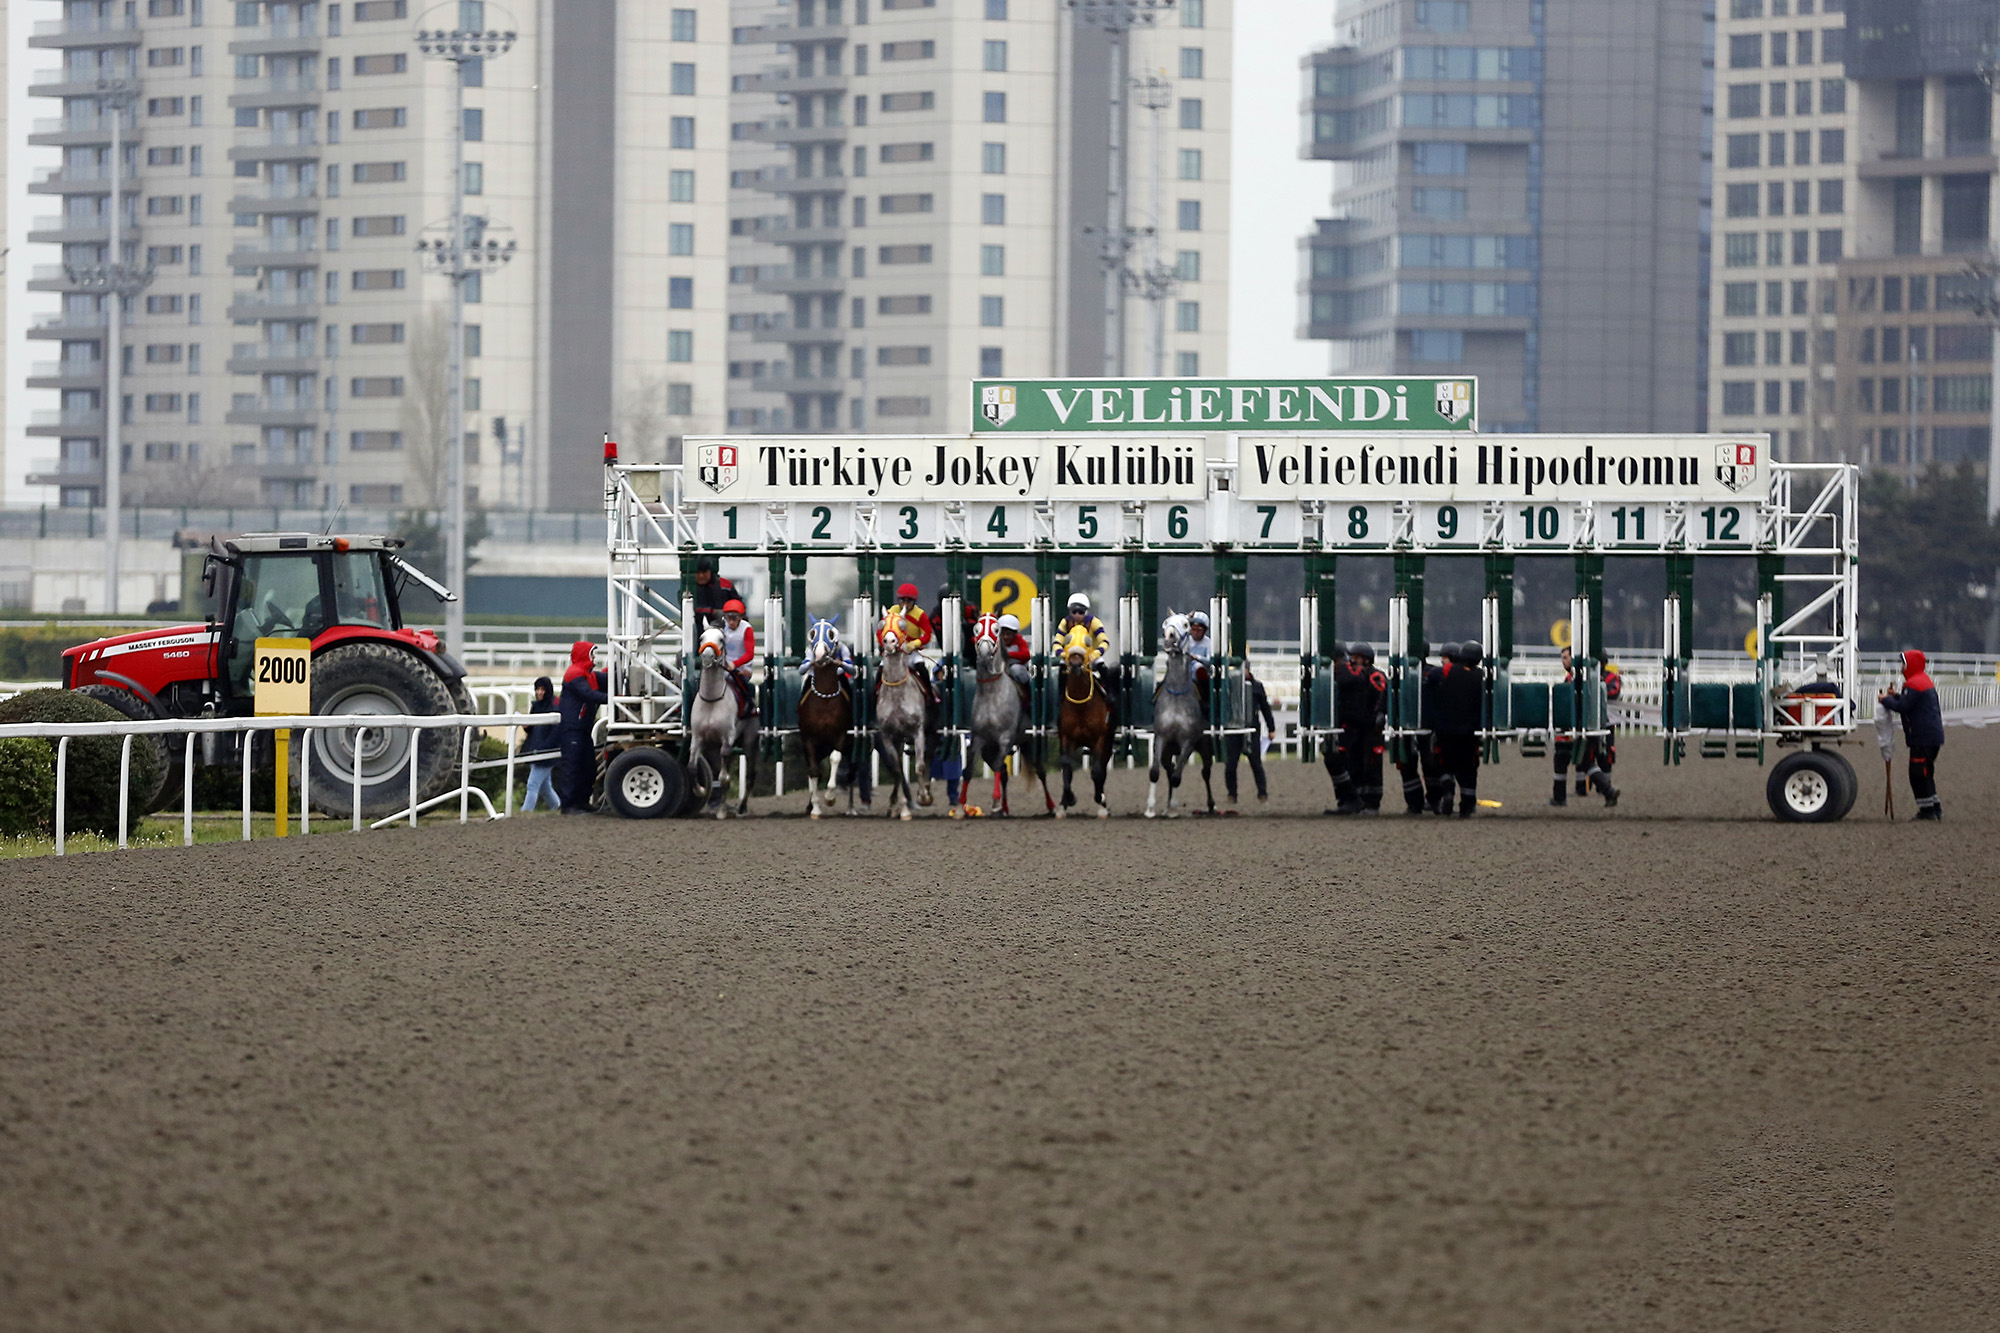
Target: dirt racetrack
1672 1067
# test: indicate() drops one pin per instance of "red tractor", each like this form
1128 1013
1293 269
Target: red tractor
340 592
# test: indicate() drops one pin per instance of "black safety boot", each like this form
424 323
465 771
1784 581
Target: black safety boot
1561 796
1582 785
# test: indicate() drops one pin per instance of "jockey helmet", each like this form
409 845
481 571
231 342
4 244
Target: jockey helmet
908 590
1012 622
736 605
1199 618
1079 600
1448 652
1360 651
1470 652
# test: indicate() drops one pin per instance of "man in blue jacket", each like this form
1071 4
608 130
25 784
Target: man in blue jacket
576 708
1923 731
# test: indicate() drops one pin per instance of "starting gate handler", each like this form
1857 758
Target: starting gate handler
1419 765
1923 730
1461 693
577 712
1361 696
1594 755
1239 745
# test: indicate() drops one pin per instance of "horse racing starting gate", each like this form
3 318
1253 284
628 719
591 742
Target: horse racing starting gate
1135 470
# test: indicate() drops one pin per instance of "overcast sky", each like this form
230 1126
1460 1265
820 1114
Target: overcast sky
1275 195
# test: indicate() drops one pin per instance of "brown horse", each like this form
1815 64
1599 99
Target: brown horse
826 720
1085 725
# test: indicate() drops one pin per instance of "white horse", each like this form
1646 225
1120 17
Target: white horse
900 716
714 728
997 721
1179 727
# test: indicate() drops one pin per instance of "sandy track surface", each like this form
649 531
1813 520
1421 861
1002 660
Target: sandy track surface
1671 1067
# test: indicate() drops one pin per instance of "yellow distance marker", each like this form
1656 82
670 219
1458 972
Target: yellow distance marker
1008 591
1559 633
1750 643
281 685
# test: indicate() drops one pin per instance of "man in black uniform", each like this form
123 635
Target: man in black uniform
1362 704
1329 748
711 590
1419 765
1461 698
1593 755
1238 745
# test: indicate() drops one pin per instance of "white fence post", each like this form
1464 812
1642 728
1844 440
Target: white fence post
248 737
124 788
360 736
464 773
305 783
62 790
513 735
416 739
187 793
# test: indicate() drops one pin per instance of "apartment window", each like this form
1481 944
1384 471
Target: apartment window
1739 249
375 386
383 64
1190 162
1746 51
996 57
1193 12
1829 247
993 159
163 57
1437 346
992 311
375 335
903 407
377 279
383 118
1190 62
680 132
165 106
1190 113
1742 201
908 101
370 11
1187 364
1739 349
1802 247
1746 9
474 125
991 363
680 344
907 152
1774 249
680 79
384 224
902 254
680 293
1833 45
1833 196
680 238
1739 298
1438 205
902 356
860 211
1187 265
1963 342
1187 317
374 441
908 50
161 354
1439 159
996 108
163 157
163 402
164 205
1800 300
1742 150
683 25
1780 48
165 9
1774 398
903 305
1745 100
1190 215
1443 15
906 203
163 254
1774 347
1798 342
1778 99
1801 198
993 210
378 173
1833 97
680 187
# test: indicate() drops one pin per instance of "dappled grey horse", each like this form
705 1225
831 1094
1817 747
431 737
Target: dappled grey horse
900 715
1179 726
714 729
998 719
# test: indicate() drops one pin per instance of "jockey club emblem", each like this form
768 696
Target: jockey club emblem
1735 465
1454 399
996 403
715 464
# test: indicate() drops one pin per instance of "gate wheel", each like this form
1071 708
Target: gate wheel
645 783
1808 787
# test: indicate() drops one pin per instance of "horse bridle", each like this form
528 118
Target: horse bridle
812 684
699 689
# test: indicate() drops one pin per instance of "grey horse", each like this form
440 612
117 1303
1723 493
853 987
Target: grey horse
1179 728
714 728
899 721
997 721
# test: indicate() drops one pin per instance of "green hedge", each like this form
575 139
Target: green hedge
92 770
34 652
27 786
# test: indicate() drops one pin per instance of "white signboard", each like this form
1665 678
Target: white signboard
1513 469
900 468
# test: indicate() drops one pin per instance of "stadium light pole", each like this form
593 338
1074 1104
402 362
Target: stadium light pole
460 252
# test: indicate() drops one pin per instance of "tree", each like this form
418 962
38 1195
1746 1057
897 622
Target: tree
427 408
196 483
642 420
1927 558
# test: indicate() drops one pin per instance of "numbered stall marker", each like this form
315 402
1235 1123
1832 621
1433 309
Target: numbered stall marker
822 525
908 525
1176 524
1631 526
1359 524
1087 524
1278 523
1541 524
1000 525
1448 525
730 526
1721 525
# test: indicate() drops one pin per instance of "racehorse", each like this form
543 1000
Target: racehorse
1179 726
1085 725
826 720
998 718
901 713
714 726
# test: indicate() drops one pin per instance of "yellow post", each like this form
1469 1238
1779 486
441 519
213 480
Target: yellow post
284 773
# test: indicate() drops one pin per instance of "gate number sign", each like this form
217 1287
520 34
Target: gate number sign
281 677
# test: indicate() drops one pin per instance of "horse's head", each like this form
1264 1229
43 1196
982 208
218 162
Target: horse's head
1078 646
1174 633
896 636
711 647
822 640
986 638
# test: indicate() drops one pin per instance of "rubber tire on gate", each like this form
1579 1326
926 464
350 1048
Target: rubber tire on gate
166 749
1850 781
399 682
1806 787
650 772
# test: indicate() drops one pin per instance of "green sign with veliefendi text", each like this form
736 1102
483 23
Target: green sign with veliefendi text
1412 402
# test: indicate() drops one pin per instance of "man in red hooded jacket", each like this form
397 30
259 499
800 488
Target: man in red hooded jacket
1923 729
576 709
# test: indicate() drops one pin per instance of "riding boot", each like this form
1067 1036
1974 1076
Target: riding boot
1561 797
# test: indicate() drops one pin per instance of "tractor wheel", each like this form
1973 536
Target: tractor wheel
645 783
362 679
166 750
1806 787
1850 781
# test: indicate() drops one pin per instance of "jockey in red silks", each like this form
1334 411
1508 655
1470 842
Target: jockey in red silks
913 625
739 646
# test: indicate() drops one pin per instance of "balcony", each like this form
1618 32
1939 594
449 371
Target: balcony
69 327
66 472
833 182
801 284
292 199
62 229
818 32
272 359
792 82
832 234
796 384
81 180
73 374
273 411
275 305
1958 159
74 130
784 331
278 39
61 83
278 91
69 421
267 255
786 132
290 146
95 30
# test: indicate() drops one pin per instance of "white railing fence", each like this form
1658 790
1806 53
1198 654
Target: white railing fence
63 732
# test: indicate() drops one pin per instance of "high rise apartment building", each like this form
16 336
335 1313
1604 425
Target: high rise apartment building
1856 180
824 215
1519 196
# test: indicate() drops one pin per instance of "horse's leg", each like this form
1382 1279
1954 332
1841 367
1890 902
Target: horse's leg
1068 772
899 784
1207 770
1153 786
1100 762
749 769
811 762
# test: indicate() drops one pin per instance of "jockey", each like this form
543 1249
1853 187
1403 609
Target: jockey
1200 647
1014 648
739 643
916 633
1101 661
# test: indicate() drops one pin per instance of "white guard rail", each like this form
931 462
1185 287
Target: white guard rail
63 732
